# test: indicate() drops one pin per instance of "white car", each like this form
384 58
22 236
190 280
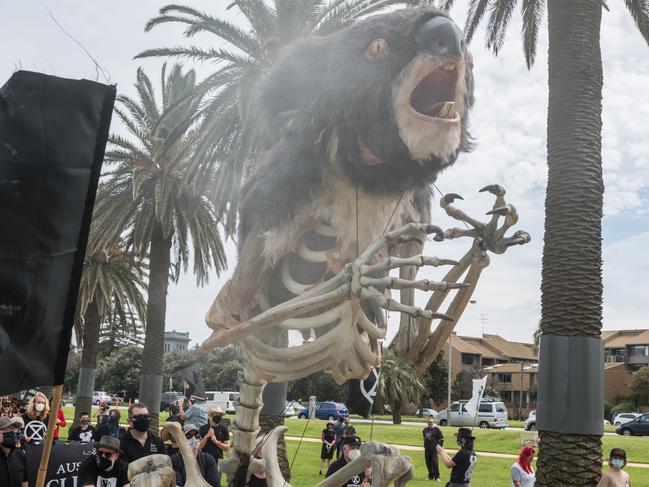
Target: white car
427 413
624 418
530 422
292 408
99 397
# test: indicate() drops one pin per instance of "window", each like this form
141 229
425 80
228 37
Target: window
455 408
468 359
505 378
485 408
500 408
638 351
487 362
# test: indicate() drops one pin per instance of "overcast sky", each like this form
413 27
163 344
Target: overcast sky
508 121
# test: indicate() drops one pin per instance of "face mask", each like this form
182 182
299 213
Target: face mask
39 406
113 419
103 463
9 439
194 442
141 423
84 422
354 454
617 463
216 419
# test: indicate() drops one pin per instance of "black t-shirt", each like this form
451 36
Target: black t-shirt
89 474
222 434
13 468
206 466
104 430
464 464
256 481
134 450
340 463
84 436
432 437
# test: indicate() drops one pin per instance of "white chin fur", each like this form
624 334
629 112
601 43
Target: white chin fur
426 137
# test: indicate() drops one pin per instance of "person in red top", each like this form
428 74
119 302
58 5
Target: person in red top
60 422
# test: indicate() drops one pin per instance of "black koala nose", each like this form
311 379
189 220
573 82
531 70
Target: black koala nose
441 37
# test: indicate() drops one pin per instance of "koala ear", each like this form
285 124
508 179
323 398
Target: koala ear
292 87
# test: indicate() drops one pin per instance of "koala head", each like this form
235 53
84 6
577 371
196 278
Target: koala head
386 99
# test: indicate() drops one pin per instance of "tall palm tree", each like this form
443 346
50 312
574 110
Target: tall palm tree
398 384
110 293
146 201
571 289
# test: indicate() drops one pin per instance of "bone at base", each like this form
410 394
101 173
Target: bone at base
152 471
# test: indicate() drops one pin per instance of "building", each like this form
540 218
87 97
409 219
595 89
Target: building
176 341
625 351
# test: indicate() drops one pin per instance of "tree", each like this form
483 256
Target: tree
640 385
110 293
435 381
571 289
146 201
398 385
320 385
120 371
462 387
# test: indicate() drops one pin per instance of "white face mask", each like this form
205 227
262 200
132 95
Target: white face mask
353 454
39 406
194 443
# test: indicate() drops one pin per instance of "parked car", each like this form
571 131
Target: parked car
326 410
530 422
99 396
226 400
292 408
623 418
427 413
636 427
491 414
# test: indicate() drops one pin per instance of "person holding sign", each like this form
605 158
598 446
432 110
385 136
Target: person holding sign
104 468
13 466
463 463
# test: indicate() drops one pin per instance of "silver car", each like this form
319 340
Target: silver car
490 414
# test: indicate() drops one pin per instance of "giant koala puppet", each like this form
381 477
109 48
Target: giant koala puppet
359 124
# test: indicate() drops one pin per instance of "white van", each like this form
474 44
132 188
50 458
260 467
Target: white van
226 400
491 414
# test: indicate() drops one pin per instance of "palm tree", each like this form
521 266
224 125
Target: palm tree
571 289
398 384
145 201
110 292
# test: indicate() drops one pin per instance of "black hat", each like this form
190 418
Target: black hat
464 433
352 440
109 443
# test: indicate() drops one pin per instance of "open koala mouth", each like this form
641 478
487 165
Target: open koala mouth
434 96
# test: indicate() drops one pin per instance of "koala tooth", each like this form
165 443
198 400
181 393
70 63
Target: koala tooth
446 109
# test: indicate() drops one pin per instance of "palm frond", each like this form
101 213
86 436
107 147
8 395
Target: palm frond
198 54
532 12
499 17
477 9
639 10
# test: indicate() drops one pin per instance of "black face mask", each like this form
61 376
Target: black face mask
84 422
9 439
141 423
103 463
113 419
216 419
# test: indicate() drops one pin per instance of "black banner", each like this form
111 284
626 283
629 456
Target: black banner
53 134
63 469
362 394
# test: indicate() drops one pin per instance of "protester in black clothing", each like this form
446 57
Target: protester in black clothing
111 426
432 437
215 437
258 479
349 447
206 463
138 442
328 439
339 428
85 432
463 463
105 467
13 466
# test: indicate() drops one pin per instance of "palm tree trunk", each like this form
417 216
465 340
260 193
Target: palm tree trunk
396 413
91 329
151 380
571 287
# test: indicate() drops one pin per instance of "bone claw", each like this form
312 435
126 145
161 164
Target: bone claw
495 189
451 197
519 238
439 233
501 210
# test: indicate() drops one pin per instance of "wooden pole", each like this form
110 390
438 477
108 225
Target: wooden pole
49 437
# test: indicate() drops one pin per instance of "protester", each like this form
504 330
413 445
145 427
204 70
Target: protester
616 477
138 441
463 463
339 429
13 466
350 449
19 425
258 479
111 426
328 439
215 437
522 472
85 432
38 409
60 421
105 467
348 428
432 437
206 463
196 414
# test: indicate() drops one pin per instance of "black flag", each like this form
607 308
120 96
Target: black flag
362 394
53 134
191 372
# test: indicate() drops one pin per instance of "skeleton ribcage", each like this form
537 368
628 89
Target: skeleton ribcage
339 338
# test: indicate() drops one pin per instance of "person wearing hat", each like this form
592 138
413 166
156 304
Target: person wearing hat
328 439
215 437
104 468
206 464
463 463
196 413
13 464
616 477
350 449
